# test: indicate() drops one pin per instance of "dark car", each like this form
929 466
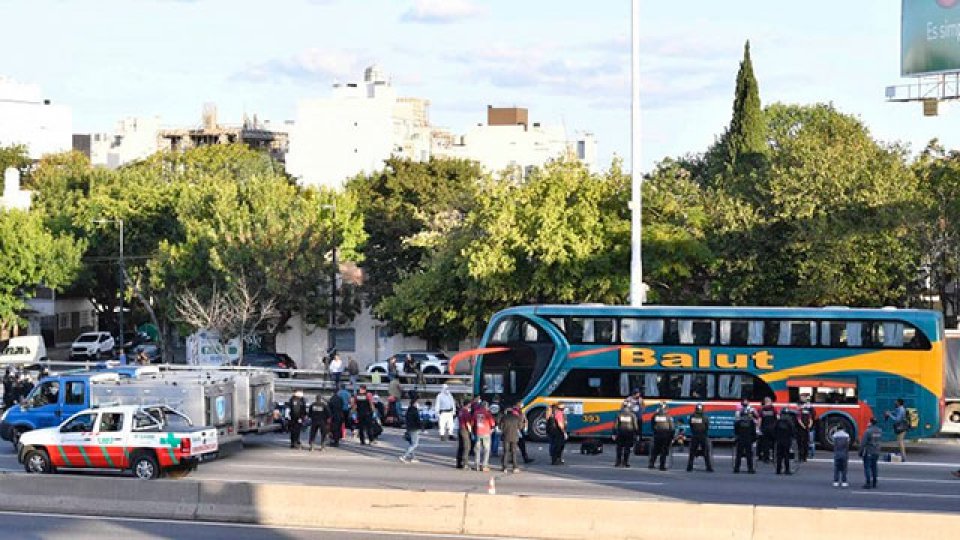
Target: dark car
152 350
272 360
131 340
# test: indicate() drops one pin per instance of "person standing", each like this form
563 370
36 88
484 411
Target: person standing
346 400
745 430
625 429
444 405
9 381
841 456
483 426
805 421
464 436
768 419
364 403
353 370
412 422
392 372
410 369
395 394
524 426
336 419
557 432
699 438
901 424
784 433
870 453
336 370
319 413
663 429
297 409
510 425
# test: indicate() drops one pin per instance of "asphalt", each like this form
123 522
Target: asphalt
924 483
55 527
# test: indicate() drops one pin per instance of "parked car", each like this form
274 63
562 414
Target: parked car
133 339
268 360
92 345
430 362
152 350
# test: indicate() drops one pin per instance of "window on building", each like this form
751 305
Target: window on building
86 319
344 339
63 321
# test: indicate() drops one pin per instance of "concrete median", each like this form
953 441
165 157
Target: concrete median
453 513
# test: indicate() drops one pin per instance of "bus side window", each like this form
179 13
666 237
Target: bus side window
641 331
695 331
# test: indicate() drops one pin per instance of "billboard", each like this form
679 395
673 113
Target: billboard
929 36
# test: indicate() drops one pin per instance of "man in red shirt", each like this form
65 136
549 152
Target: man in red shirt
483 424
464 435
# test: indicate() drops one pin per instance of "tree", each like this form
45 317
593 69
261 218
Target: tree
746 136
560 236
406 200
32 256
14 156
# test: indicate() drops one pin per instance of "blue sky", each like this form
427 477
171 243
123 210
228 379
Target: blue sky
567 61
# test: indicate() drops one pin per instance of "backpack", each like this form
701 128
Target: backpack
905 424
591 447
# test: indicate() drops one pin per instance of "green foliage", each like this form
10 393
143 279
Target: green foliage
745 140
32 257
13 156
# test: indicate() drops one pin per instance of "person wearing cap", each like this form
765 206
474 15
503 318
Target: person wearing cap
699 438
768 419
557 432
870 453
784 432
663 430
805 419
297 409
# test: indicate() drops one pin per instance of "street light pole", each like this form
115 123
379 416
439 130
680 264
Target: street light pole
636 202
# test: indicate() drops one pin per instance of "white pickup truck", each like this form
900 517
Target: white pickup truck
150 441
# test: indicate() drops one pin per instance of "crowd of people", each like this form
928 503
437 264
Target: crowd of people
766 434
16 386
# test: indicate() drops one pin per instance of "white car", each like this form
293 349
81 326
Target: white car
431 363
92 345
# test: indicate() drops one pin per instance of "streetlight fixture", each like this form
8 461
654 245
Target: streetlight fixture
120 278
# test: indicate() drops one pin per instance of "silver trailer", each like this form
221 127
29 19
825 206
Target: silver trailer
254 400
205 400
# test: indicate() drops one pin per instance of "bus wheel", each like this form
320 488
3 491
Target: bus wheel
537 425
829 426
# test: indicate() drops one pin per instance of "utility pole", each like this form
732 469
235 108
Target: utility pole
636 201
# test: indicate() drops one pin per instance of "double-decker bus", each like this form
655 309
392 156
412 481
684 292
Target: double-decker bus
853 363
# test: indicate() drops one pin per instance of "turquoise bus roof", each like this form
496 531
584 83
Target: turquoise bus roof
926 319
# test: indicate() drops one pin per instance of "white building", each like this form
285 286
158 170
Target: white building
135 138
354 130
27 118
509 142
13 196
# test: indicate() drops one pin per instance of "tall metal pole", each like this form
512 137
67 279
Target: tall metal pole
636 202
336 264
122 284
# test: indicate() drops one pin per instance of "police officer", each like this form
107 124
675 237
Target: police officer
9 381
699 438
768 418
745 430
319 413
784 432
336 418
625 429
297 408
662 436
805 420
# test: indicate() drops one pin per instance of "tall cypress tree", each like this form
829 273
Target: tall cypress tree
746 137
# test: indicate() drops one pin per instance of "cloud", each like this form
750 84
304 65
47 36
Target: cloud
441 11
309 65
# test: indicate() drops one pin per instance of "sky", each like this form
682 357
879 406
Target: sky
567 61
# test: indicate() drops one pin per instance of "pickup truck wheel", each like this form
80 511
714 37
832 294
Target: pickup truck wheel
145 466
37 462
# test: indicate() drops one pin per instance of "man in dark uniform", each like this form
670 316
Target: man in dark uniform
804 426
768 418
336 418
510 423
784 431
464 435
699 438
9 380
662 436
297 408
625 429
745 430
364 414
319 413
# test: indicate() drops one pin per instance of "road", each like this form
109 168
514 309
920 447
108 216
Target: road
55 527
923 484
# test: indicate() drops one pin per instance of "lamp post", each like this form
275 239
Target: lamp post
333 278
120 277
636 202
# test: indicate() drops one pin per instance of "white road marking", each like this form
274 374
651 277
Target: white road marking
592 481
252 526
901 494
920 480
303 468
